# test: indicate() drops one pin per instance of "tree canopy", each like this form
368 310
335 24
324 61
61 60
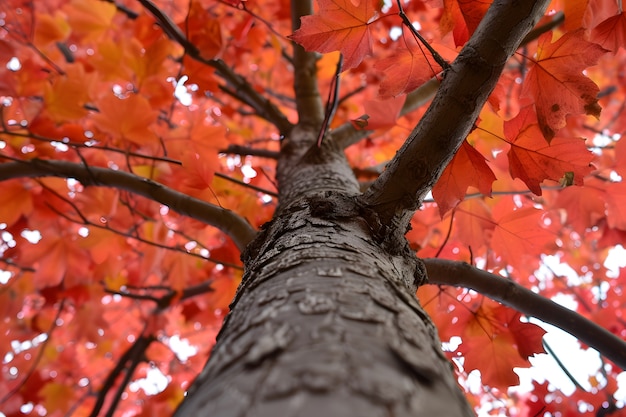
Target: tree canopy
138 147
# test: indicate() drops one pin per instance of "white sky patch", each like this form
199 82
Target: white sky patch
33 236
14 64
152 384
615 260
181 348
180 90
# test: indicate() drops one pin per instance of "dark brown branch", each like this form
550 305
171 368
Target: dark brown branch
509 293
308 101
236 227
399 191
239 86
245 150
133 354
165 300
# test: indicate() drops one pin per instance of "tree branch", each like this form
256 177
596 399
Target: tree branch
241 88
511 294
236 227
410 175
308 100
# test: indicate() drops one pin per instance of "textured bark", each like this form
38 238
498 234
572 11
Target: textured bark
326 323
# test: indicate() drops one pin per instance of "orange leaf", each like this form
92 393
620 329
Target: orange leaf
557 83
66 97
467 168
340 26
90 18
129 118
57 397
50 28
533 160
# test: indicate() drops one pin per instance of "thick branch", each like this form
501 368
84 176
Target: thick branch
463 92
509 293
227 221
308 100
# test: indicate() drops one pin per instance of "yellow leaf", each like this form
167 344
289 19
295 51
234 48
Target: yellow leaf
57 397
66 97
50 29
90 18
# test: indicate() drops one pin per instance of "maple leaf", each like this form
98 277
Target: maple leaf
462 18
611 33
473 223
490 344
408 68
533 160
16 201
204 31
519 234
380 113
50 29
89 18
340 25
557 83
467 168
65 99
584 206
128 118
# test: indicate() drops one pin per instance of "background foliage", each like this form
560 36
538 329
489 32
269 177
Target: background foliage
100 288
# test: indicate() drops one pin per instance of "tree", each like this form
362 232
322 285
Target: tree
320 163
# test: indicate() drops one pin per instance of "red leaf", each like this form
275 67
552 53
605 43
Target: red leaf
408 68
557 83
584 206
381 113
340 26
467 168
490 345
204 31
462 17
519 233
533 160
611 33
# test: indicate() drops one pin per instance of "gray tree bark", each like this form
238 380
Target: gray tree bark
325 321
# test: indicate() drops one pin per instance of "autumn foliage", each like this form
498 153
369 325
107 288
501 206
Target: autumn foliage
101 287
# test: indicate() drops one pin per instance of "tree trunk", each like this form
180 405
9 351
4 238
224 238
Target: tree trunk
325 322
